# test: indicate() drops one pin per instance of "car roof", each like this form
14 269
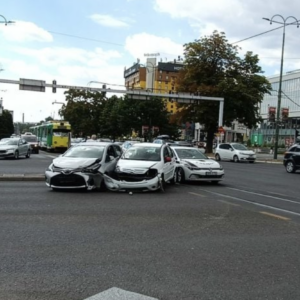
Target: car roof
183 147
147 145
95 143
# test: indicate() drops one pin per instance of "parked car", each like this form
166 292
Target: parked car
75 141
127 144
193 165
32 140
234 152
143 167
15 147
82 166
291 159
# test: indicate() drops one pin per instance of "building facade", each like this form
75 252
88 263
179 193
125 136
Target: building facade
156 77
289 112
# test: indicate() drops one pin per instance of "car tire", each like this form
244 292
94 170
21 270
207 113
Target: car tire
162 186
16 155
36 151
174 179
290 167
236 159
218 158
251 162
180 176
28 154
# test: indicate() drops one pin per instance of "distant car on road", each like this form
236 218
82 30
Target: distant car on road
32 140
234 152
15 147
291 159
127 144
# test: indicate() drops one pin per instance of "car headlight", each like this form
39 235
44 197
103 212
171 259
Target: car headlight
191 166
50 168
221 167
91 169
244 153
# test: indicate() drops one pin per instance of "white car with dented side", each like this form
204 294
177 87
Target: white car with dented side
143 167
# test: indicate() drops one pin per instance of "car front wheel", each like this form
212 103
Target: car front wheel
217 156
180 176
235 159
290 167
28 154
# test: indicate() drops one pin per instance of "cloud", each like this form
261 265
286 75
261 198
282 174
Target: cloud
139 44
22 31
109 21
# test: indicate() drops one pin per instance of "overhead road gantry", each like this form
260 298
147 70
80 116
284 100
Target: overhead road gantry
184 98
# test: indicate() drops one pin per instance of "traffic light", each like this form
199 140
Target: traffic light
54 86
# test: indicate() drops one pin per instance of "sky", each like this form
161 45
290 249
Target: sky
76 42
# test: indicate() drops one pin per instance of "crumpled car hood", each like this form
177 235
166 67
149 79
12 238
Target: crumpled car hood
72 162
135 166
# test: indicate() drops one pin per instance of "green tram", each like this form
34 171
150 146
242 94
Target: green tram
53 135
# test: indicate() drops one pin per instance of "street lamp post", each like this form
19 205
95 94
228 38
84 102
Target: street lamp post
284 23
5 21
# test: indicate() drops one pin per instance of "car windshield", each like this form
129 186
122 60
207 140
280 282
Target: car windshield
142 153
85 152
10 142
192 153
30 138
239 146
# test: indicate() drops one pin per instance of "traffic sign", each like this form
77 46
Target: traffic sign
221 130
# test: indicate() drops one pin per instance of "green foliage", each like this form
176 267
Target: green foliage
94 113
83 111
6 124
214 68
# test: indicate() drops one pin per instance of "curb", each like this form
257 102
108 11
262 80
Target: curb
22 177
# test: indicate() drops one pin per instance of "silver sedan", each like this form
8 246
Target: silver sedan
82 166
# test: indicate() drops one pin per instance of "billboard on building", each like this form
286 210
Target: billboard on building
272 113
284 114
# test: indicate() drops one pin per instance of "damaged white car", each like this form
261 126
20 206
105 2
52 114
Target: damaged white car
143 167
193 165
82 166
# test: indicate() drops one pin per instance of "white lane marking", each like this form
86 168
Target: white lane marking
118 294
274 216
263 195
226 202
196 194
252 202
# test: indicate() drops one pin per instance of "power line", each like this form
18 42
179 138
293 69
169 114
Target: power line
253 36
84 38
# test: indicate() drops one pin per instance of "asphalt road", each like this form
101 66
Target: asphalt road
238 240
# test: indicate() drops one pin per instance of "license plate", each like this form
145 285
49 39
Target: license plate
211 173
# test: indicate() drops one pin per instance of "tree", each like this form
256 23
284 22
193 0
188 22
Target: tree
6 124
83 111
214 68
